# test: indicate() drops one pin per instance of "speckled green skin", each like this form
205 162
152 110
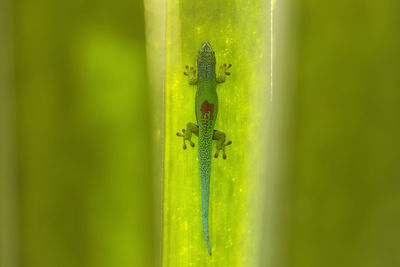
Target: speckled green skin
206 114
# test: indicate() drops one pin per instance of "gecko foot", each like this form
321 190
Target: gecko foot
191 73
223 150
221 144
223 72
191 128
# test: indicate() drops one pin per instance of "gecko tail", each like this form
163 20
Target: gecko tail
205 194
206 235
205 141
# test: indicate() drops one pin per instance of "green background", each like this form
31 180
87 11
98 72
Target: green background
340 144
79 106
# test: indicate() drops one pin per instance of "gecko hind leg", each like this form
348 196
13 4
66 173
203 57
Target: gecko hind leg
220 138
191 128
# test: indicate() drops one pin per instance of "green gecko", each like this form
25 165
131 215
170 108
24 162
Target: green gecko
206 115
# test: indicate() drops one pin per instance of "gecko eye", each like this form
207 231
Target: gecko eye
213 53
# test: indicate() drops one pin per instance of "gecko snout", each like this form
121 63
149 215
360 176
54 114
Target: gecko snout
206 47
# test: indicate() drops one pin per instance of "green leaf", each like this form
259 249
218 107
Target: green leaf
239 32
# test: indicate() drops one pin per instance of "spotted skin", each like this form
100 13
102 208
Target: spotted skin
206 108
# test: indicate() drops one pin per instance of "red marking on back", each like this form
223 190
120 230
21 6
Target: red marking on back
205 108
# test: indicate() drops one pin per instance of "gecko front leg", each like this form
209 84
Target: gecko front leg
191 128
191 73
221 76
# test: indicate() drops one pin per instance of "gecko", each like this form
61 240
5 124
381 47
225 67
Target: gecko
206 110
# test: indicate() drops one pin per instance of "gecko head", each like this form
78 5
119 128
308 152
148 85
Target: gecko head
206 54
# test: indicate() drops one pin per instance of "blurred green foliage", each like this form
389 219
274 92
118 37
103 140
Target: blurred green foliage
342 150
84 192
